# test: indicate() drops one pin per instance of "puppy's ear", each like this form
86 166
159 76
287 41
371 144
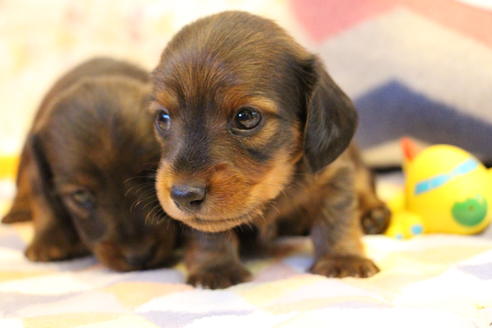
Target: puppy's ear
43 175
330 116
55 237
34 181
43 182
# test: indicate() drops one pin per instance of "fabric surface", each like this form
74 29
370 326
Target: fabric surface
430 281
414 68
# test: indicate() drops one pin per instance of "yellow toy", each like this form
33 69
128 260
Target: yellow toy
8 166
447 190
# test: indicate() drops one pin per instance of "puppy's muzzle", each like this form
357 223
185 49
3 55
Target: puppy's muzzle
139 260
188 198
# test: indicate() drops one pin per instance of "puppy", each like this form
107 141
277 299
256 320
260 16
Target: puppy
87 169
253 131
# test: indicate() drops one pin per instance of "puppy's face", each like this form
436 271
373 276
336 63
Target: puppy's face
101 159
231 98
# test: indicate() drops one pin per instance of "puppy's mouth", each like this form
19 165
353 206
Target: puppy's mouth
214 225
220 225
115 258
209 220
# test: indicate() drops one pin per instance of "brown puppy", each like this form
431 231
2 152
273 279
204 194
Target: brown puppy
373 213
252 131
87 171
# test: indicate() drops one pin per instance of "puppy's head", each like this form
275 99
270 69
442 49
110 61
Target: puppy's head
238 104
97 157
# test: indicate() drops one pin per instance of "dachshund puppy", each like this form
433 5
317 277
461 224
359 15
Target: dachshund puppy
373 212
253 131
87 170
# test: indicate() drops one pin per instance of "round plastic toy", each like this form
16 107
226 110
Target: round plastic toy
447 190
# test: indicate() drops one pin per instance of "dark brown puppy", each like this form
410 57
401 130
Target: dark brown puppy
373 213
253 130
87 171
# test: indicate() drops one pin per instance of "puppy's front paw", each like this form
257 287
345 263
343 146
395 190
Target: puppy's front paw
39 251
345 266
375 219
220 276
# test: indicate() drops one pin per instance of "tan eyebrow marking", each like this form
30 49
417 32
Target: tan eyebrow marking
264 104
165 99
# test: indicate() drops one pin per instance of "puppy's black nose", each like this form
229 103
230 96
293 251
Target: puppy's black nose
188 197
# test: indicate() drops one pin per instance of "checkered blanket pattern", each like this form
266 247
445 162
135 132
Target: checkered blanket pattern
430 281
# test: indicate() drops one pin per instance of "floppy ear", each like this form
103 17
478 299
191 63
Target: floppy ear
42 180
32 177
20 209
330 117
55 237
42 175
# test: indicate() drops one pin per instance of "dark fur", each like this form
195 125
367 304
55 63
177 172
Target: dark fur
91 132
296 167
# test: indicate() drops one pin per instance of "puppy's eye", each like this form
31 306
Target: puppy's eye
163 120
83 198
247 118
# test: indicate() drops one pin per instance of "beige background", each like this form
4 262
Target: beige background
41 39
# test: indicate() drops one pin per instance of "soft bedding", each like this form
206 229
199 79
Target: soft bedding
429 281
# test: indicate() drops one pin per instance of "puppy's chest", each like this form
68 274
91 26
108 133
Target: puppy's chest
294 199
306 194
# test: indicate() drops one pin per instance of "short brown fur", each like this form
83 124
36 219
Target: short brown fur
87 171
293 166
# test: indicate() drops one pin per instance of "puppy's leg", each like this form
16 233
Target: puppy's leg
54 237
374 215
336 231
213 260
